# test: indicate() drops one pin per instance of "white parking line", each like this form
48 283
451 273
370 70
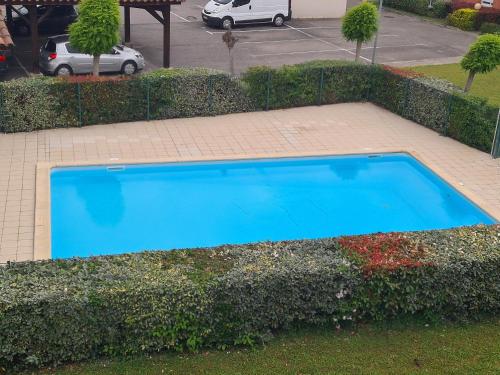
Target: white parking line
251 31
400 46
182 18
275 41
325 42
299 52
22 66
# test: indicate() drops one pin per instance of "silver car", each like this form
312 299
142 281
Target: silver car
58 57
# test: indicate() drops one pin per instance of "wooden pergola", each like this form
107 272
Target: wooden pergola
159 9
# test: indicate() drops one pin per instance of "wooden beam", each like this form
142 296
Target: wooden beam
8 11
126 10
166 35
35 42
152 11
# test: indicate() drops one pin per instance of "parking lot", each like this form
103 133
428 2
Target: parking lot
403 40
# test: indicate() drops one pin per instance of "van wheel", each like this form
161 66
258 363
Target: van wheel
279 20
129 68
227 23
63 71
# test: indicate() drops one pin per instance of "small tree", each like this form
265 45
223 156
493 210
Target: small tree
483 57
96 30
360 25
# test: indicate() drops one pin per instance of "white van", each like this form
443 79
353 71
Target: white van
227 13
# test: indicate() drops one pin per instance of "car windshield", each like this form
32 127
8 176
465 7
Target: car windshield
223 1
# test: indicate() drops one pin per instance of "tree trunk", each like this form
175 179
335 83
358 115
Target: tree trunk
469 81
95 69
358 50
231 62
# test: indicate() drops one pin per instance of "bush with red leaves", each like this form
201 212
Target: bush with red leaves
388 251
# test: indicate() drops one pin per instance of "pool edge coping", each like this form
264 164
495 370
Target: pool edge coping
42 231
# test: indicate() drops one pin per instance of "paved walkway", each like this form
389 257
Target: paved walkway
336 129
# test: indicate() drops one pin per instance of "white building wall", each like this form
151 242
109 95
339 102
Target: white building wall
318 8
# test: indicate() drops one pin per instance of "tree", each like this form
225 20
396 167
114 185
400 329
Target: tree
230 40
360 25
97 29
483 57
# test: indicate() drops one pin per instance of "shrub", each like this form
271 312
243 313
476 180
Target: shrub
46 102
440 8
489 28
317 82
472 121
436 104
68 310
464 19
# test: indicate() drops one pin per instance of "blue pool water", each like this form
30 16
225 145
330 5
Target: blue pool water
111 210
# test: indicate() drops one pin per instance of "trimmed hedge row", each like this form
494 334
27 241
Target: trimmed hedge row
47 102
440 8
69 310
313 83
435 104
43 103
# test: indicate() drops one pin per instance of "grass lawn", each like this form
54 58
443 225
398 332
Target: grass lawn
414 349
485 85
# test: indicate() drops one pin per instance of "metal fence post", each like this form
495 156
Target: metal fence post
450 103
321 84
148 101
210 94
79 96
2 111
268 90
495 148
405 112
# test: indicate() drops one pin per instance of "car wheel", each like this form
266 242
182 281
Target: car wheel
129 68
63 71
227 23
279 20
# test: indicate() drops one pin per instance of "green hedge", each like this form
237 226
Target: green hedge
435 104
439 9
490 28
317 82
44 103
464 19
69 310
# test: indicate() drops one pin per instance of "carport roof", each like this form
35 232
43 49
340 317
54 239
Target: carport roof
5 39
74 2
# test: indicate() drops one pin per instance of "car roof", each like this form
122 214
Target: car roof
59 38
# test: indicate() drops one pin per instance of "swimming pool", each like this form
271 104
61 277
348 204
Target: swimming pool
117 209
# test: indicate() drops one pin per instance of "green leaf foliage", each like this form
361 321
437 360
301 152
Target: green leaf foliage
46 102
360 23
421 7
483 55
59 311
490 28
464 19
96 30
